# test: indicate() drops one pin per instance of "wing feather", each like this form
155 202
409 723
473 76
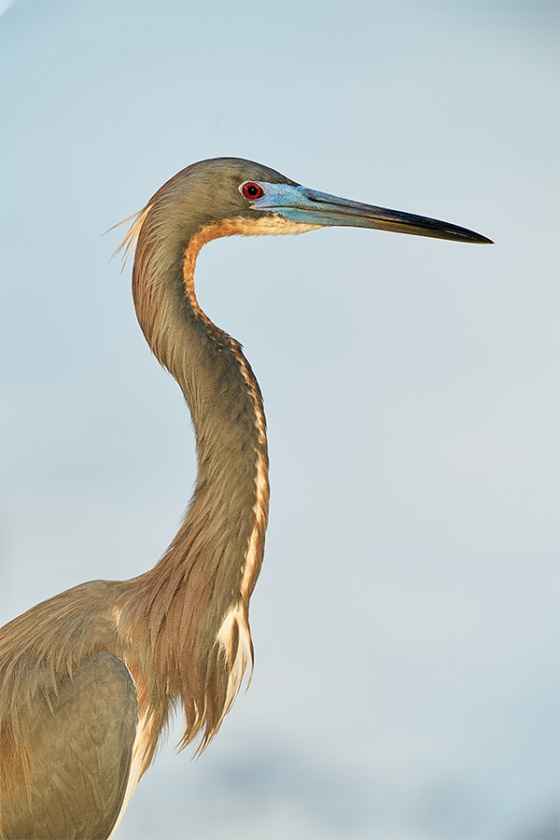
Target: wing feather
80 751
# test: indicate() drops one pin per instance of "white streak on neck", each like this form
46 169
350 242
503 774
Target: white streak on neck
235 619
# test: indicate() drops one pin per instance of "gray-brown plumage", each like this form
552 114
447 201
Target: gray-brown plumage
88 677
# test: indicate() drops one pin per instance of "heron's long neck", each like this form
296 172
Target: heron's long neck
197 597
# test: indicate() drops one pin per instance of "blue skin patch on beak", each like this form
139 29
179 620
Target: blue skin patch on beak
298 204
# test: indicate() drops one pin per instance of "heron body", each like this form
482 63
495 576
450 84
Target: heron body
88 677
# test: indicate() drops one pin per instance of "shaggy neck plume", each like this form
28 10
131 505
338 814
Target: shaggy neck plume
199 591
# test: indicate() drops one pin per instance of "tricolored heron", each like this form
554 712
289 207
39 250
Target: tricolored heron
88 678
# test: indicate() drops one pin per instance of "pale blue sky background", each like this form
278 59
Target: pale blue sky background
405 622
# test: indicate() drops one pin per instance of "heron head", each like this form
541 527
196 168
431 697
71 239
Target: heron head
255 199
228 196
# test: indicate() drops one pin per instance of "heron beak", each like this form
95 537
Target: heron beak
300 204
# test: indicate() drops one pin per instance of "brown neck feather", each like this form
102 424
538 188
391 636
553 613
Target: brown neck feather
190 613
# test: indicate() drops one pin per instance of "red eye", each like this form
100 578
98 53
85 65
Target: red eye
251 190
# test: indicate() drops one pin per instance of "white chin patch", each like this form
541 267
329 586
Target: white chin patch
274 225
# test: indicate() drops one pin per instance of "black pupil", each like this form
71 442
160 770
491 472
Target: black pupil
252 190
